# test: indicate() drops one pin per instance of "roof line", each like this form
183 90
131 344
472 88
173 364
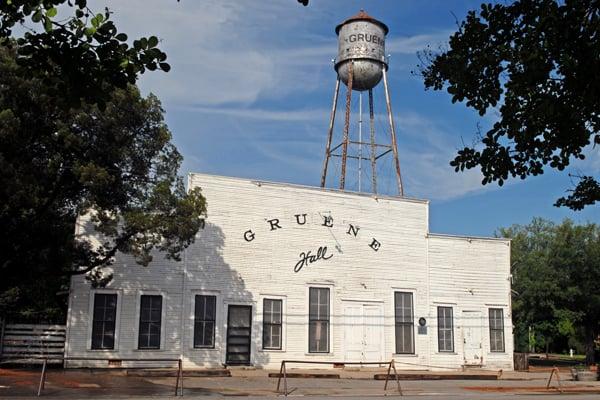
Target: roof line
450 236
259 182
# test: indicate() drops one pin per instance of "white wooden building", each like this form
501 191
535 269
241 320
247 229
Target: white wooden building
290 272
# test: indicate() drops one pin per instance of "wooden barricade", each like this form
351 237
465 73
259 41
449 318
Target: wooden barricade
178 382
283 371
32 343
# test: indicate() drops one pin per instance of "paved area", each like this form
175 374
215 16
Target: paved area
76 384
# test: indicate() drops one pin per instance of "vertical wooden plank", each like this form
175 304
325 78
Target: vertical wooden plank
2 325
42 379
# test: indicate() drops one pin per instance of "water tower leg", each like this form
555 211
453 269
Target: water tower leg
330 134
393 133
346 125
372 126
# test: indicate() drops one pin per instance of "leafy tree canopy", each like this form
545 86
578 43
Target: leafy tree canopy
78 54
537 63
556 270
76 137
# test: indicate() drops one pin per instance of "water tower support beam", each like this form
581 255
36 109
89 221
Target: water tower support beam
372 126
346 125
393 133
330 134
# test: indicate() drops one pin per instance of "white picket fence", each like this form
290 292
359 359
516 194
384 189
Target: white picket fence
30 344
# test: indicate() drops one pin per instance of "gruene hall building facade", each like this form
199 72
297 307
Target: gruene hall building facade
290 272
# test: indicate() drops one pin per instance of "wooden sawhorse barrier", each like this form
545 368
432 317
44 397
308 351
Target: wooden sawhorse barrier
283 371
553 372
178 382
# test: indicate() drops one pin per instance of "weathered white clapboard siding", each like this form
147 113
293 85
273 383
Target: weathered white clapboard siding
29 343
471 274
223 263
265 265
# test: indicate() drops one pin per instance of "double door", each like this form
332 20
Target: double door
472 327
363 331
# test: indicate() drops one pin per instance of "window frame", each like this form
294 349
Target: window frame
410 323
92 303
501 329
161 321
328 320
265 324
214 321
450 329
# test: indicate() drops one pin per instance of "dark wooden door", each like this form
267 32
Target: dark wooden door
239 335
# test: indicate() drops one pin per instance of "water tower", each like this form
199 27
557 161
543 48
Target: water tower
361 64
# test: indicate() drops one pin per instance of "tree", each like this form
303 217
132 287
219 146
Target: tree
555 277
76 137
79 56
538 62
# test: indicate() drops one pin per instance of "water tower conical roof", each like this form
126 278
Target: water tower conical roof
362 16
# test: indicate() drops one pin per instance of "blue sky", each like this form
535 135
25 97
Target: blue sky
250 91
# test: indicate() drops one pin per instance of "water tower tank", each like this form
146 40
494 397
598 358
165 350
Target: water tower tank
361 39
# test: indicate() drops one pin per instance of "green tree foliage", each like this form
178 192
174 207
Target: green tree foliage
556 275
76 137
537 61
76 55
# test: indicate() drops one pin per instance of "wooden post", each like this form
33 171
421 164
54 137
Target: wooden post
285 388
280 374
2 324
397 379
387 376
181 369
42 378
179 381
554 370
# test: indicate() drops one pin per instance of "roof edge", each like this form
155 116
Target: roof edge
260 182
463 237
362 16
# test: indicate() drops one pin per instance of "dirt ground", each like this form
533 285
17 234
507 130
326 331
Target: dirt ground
71 384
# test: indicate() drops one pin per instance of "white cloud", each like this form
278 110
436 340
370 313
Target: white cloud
292 115
426 149
222 53
413 44
228 55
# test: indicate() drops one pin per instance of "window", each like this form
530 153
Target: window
318 320
405 325
104 319
150 322
445 331
496 330
204 321
272 328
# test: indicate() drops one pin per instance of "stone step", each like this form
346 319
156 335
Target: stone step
156 372
304 375
437 377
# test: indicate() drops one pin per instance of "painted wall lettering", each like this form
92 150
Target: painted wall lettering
299 219
307 258
365 38
353 230
274 224
249 235
375 245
